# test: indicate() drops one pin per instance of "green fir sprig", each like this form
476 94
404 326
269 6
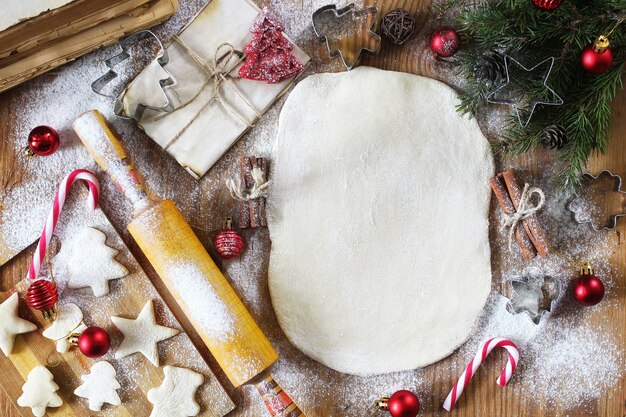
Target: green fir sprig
529 35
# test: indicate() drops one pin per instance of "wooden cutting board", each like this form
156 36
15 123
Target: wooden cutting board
126 298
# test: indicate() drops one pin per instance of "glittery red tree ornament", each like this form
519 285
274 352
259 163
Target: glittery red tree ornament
547 5
42 295
42 141
445 41
228 243
402 403
269 56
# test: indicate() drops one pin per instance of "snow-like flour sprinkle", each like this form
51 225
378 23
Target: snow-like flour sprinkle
205 308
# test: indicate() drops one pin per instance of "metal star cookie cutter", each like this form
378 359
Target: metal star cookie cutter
592 205
162 58
329 17
533 293
514 102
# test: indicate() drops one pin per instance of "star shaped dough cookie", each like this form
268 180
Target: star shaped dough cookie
11 324
142 334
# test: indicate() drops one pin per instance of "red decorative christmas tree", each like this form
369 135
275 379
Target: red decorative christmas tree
269 56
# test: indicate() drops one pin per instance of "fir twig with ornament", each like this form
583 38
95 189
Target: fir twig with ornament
587 72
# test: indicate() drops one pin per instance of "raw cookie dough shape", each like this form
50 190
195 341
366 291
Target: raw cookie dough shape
100 386
175 397
142 334
69 320
39 391
86 261
378 216
11 324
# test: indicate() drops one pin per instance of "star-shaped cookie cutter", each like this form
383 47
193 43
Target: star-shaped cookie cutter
543 290
162 58
338 14
515 102
610 219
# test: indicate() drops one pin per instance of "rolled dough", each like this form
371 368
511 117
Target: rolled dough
378 216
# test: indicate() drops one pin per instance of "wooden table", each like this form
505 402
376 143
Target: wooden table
208 205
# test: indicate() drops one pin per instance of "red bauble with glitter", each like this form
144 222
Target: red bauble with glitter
94 342
228 243
596 58
547 5
401 404
43 141
42 295
445 41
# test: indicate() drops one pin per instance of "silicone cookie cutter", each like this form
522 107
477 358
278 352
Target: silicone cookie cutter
161 59
347 32
600 202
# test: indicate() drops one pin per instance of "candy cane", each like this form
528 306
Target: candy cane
53 217
472 367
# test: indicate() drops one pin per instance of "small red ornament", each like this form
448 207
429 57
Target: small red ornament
42 295
588 289
402 403
547 5
597 57
445 41
93 342
43 141
228 243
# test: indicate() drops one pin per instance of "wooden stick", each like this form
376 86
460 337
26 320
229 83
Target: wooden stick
499 188
531 225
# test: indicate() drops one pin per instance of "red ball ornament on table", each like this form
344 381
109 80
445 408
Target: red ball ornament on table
445 42
228 243
588 289
42 295
93 342
402 403
547 5
597 58
43 141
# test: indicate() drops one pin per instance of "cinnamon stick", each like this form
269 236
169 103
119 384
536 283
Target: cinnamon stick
499 188
531 225
252 212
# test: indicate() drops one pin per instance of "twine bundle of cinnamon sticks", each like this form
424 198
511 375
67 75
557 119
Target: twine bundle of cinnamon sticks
530 237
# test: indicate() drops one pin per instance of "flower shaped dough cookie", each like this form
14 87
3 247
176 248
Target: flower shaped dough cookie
11 324
100 386
175 396
86 261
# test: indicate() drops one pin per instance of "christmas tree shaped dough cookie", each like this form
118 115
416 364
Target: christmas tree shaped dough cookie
100 386
86 261
69 320
39 391
175 396
142 334
11 324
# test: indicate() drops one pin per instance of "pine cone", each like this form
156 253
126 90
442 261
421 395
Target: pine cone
555 137
490 69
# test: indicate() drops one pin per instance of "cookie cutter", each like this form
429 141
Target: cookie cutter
610 219
162 58
333 12
543 290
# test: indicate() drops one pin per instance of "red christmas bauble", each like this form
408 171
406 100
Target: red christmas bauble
403 404
42 295
94 342
588 290
228 243
445 41
596 61
43 141
547 4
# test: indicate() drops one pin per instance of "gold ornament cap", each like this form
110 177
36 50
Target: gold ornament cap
601 44
586 269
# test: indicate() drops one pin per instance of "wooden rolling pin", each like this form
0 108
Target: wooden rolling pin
206 297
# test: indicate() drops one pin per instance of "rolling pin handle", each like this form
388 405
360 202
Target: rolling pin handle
277 401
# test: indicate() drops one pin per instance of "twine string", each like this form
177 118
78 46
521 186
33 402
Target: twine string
259 187
524 210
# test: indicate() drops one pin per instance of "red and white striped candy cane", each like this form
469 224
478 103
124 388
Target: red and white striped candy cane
472 367
53 217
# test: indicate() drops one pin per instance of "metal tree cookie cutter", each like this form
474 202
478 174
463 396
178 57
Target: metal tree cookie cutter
600 202
333 26
533 293
161 59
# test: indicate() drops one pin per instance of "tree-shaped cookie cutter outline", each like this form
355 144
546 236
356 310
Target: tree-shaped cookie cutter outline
617 188
162 58
338 13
